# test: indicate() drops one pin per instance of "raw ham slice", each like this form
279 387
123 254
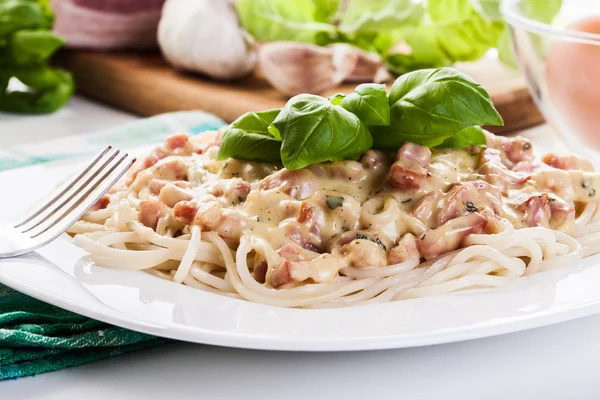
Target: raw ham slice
107 24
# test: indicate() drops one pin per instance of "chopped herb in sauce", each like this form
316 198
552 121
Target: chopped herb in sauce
365 237
407 200
334 202
470 207
526 146
592 193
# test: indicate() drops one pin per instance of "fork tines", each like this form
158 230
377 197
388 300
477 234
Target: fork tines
68 204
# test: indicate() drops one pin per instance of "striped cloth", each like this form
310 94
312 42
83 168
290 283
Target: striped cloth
36 337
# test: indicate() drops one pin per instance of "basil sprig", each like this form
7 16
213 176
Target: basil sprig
433 107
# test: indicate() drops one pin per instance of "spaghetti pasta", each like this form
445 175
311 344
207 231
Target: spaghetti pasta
346 233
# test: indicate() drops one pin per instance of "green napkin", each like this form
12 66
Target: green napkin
36 337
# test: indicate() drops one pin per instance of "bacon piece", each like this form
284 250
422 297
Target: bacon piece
185 212
150 213
567 162
462 199
281 275
300 184
259 272
176 141
496 173
449 236
428 205
306 213
517 149
409 171
101 204
232 190
406 249
373 159
536 211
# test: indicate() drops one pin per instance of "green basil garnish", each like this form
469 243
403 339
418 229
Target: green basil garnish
369 102
249 138
434 108
313 130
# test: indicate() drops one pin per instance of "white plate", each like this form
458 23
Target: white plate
61 274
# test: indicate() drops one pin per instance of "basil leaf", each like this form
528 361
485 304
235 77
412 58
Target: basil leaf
248 138
369 103
17 15
313 131
471 136
428 106
48 90
33 46
278 20
337 99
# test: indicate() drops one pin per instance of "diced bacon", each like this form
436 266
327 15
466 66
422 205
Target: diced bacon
496 173
176 141
518 149
428 206
156 185
405 250
491 195
414 152
409 171
306 213
536 211
462 199
512 150
172 170
567 162
259 272
150 213
449 236
300 184
281 275
185 212
171 194
101 204
232 190
157 154
373 159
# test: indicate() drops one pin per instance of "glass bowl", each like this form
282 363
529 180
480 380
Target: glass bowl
559 54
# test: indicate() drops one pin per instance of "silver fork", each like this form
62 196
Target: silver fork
65 206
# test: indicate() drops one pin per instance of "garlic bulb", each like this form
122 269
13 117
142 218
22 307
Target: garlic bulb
294 68
204 36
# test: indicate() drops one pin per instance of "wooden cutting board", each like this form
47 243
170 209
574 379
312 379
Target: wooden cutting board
144 84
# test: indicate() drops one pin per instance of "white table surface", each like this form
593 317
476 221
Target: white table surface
556 362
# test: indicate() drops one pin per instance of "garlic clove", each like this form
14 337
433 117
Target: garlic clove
369 68
294 68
